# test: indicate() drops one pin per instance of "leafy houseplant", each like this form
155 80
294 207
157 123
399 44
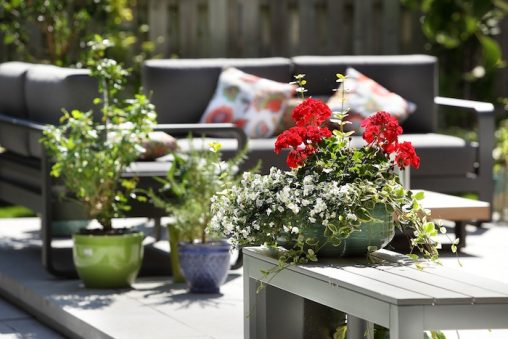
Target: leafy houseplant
193 179
90 155
333 194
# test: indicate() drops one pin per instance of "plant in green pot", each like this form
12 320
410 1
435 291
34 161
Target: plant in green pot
90 153
203 258
337 199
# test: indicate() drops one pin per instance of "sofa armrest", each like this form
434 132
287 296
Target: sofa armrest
486 128
21 123
224 129
479 107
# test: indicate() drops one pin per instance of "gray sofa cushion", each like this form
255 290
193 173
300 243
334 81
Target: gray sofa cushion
12 103
182 89
443 155
20 171
414 77
50 89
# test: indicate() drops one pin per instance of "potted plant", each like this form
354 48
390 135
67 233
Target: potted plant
90 154
336 199
193 179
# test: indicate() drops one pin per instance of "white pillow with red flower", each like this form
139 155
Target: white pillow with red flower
253 103
365 97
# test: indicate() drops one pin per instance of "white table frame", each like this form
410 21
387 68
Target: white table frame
467 302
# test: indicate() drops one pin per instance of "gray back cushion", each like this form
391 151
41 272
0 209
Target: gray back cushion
414 77
50 89
12 104
181 89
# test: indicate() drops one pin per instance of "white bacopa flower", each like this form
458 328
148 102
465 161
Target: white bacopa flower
351 216
295 230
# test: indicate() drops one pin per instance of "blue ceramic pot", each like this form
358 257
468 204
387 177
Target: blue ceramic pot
205 266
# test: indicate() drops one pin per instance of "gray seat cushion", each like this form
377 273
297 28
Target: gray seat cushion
50 89
12 103
443 155
20 171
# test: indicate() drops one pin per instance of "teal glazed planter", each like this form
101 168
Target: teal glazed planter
377 233
108 261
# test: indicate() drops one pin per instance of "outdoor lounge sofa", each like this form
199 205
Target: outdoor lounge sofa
182 88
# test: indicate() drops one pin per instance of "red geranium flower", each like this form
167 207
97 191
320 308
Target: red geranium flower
311 112
302 142
383 130
406 155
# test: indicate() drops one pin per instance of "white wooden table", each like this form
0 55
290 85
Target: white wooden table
457 209
391 293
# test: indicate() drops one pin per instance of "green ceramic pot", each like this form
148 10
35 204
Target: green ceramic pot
371 234
108 261
376 233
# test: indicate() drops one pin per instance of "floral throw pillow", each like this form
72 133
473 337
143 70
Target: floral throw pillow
253 103
365 97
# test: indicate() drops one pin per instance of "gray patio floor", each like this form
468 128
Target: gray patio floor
157 308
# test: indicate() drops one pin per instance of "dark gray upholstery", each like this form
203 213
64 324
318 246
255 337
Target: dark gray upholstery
414 77
13 103
182 88
49 90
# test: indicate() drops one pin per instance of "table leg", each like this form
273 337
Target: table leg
406 322
460 233
358 328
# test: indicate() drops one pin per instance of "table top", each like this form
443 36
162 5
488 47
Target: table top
394 279
445 206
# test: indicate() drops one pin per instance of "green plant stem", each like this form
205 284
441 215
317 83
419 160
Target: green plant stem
174 238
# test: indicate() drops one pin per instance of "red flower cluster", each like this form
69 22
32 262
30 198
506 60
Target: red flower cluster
383 130
406 155
311 112
302 140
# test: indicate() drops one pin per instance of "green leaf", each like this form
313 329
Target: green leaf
419 195
492 54
429 227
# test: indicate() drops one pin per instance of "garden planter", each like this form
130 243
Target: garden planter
205 266
375 234
65 228
108 261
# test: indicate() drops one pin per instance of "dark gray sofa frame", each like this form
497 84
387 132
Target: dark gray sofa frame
24 166
182 88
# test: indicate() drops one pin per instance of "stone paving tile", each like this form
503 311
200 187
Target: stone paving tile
26 328
156 308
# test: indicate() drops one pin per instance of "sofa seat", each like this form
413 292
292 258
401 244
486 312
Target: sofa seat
21 171
433 148
443 155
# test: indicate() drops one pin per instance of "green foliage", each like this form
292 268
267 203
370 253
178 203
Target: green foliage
90 155
15 212
461 34
501 151
191 182
56 32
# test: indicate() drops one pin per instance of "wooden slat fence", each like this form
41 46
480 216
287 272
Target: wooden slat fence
253 28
